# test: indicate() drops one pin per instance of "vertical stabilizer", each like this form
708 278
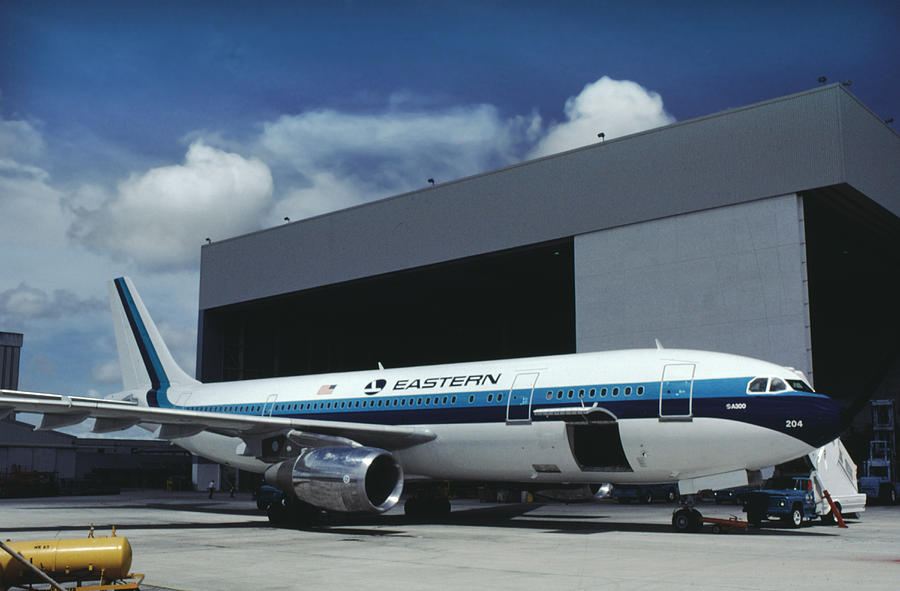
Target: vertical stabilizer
145 360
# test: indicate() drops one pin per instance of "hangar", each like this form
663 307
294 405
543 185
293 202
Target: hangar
769 230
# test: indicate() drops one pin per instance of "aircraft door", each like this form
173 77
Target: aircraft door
518 403
676 391
269 406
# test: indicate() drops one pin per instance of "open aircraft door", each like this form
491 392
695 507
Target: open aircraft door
676 391
518 403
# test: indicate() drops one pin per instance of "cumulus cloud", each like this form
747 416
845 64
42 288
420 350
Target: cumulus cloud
20 138
159 218
341 159
614 107
327 159
106 373
29 302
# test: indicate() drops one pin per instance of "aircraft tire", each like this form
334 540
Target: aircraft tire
686 520
277 512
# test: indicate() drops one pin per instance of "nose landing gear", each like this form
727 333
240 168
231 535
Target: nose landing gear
686 518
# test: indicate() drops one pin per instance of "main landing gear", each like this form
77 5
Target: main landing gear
290 512
431 502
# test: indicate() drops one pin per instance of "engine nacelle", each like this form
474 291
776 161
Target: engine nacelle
347 479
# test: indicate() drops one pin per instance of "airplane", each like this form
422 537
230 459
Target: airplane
348 442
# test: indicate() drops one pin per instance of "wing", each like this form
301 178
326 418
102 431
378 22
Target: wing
115 415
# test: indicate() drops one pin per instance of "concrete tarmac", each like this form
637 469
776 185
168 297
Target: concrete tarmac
186 542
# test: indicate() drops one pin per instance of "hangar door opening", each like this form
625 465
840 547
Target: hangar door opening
514 303
853 251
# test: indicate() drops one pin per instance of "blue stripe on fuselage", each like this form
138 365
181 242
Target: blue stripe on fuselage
159 382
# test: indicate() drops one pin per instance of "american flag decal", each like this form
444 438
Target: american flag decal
326 390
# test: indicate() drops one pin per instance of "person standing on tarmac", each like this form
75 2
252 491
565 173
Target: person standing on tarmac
212 487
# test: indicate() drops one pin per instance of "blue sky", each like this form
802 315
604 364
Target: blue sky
130 131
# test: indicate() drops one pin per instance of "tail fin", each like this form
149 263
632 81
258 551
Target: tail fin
145 360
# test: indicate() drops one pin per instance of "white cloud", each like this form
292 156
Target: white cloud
20 140
343 158
106 373
613 107
160 218
29 302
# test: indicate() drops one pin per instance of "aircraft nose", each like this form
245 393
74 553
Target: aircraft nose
823 424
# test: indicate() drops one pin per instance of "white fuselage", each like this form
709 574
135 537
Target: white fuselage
678 414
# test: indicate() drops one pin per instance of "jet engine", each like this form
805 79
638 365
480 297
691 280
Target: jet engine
346 479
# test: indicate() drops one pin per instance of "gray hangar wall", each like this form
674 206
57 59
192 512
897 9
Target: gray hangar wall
727 232
727 279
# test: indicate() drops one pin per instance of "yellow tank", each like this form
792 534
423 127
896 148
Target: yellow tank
103 558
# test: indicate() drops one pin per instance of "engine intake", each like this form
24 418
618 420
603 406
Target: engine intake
346 479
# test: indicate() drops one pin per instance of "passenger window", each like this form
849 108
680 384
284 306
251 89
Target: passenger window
499 397
628 391
615 392
776 385
471 399
758 385
581 393
571 393
593 392
490 397
602 392
640 391
559 394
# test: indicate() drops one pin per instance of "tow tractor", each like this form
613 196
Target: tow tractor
827 490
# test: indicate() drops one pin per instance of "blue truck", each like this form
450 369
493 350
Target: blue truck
793 504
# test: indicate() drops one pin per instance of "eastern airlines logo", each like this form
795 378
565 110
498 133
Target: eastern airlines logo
376 386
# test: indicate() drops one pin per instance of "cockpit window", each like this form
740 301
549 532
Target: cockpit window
758 385
777 385
800 385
